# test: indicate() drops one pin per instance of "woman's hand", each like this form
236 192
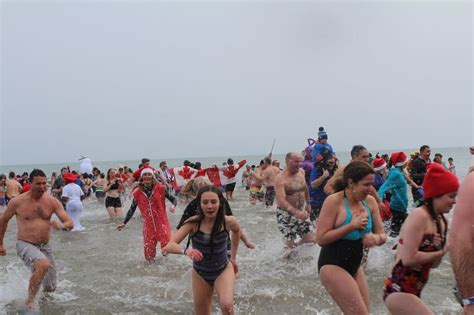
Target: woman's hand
194 254
359 221
369 240
120 226
437 240
235 266
437 261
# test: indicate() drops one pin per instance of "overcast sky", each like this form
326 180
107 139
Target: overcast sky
118 80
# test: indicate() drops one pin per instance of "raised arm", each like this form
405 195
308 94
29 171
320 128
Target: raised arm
329 187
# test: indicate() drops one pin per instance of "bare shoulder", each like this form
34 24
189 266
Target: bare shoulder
333 199
371 202
418 215
54 202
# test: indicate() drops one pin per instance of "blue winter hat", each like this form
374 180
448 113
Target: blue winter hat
322 134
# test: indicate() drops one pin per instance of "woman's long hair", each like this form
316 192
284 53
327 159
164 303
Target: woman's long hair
355 171
108 174
428 203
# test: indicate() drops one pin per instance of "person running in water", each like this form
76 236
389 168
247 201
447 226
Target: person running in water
230 172
267 176
397 184
192 208
73 195
349 221
149 197
212 270
256 185
33 211
422 244
293 206
112 190
14 188
99 185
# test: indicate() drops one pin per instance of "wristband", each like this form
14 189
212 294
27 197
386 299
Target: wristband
468 301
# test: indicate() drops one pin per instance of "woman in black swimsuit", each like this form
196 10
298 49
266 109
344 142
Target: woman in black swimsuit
212 270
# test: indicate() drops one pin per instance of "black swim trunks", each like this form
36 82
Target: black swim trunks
113 202
230 187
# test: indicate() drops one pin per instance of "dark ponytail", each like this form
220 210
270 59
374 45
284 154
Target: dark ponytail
428 203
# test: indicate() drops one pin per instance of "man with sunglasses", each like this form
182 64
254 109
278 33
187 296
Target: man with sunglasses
320 175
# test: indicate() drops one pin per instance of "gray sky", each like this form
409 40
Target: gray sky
122 80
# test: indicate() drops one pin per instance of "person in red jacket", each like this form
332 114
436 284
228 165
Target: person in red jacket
230 172
149 197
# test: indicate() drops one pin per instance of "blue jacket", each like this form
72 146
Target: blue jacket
317 195
397 184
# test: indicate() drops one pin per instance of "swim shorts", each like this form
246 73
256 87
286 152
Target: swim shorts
29 253
290 226
113 202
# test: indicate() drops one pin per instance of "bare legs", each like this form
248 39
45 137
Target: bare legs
41 267
203 292
349 293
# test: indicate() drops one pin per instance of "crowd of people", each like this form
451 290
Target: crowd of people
345 209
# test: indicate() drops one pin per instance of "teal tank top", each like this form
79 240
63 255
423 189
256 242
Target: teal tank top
357 234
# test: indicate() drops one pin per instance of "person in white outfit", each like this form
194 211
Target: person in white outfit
73 196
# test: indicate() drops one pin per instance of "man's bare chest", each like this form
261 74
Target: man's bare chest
34 211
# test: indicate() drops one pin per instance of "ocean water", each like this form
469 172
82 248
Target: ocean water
101 270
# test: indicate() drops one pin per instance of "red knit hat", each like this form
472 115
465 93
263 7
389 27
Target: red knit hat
398 158
379 164
69 178
439 181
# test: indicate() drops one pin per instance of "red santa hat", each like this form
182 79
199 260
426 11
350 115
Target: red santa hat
398 159
439 181
379 164
147 170
69 178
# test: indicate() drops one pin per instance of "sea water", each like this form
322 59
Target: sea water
102 270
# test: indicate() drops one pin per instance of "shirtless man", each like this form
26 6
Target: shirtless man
461 243
33 211
14 188
256 183
293 203
267 176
